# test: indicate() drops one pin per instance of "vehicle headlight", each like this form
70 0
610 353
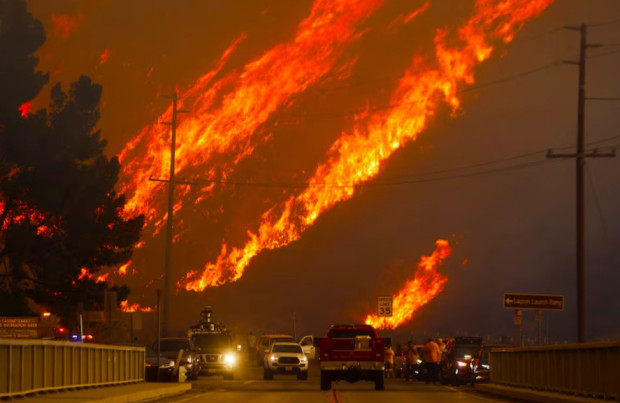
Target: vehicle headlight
419 361
303 359
229 359
461 364
273 358
485 366
467 357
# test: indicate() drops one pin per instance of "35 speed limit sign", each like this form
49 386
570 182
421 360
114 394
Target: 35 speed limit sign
384 306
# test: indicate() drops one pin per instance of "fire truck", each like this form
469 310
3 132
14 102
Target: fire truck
352 353
217 354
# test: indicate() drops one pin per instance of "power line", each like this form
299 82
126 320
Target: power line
419 177
604 24
461 91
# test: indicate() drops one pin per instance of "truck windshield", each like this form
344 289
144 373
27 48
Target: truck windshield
172 345
212 340
287 348
350 333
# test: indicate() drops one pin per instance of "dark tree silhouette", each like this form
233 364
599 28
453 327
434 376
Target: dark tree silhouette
59 212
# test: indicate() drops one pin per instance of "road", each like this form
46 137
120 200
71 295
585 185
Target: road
249 386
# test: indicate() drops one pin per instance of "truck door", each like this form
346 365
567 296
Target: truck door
307 345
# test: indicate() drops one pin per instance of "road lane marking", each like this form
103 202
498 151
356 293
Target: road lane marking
334 396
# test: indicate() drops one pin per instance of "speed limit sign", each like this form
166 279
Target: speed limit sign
384 306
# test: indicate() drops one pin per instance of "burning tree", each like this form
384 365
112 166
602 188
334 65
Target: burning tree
59 212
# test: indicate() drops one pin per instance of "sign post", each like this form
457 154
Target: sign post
538 302
384 306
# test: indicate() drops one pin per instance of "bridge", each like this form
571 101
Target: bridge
588 370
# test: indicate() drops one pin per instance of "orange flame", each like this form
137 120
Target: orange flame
356 157
424 286
123 269
135 307
225 114
84 274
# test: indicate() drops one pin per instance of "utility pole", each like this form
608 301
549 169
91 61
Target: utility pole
171 185
580 165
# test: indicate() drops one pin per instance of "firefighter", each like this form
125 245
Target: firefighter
389 361
411 358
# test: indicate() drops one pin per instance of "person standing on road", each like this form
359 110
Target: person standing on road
412 357
389 362
251 344
431 354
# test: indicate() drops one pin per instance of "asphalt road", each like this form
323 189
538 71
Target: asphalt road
249 386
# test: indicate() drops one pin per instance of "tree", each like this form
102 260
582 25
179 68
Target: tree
59 213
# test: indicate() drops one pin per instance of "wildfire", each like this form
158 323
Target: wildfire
424 286
356 156
135 307
225 114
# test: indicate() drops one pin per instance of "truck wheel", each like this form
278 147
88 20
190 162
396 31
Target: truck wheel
326 382
379 381
302 376
268 374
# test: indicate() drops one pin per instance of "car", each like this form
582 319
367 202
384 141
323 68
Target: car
263 346
286 359
455 365
157 369
480 362
170 347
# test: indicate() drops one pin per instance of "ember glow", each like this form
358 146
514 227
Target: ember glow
356 157
24 109
424 286
135 307
64 24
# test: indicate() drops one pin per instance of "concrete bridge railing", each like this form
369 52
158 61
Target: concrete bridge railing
28 366
587 369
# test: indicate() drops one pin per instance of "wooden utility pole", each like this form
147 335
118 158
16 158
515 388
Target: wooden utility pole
580 165
171 184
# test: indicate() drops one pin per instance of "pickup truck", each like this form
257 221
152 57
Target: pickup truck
352 353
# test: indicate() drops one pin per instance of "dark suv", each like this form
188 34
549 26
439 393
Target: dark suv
218 355
480 362
455 365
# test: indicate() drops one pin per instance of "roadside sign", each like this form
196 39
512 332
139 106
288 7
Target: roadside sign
534 301
518 316
384 306
19 327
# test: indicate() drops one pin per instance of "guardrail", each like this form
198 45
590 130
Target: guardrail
29 366
587 369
